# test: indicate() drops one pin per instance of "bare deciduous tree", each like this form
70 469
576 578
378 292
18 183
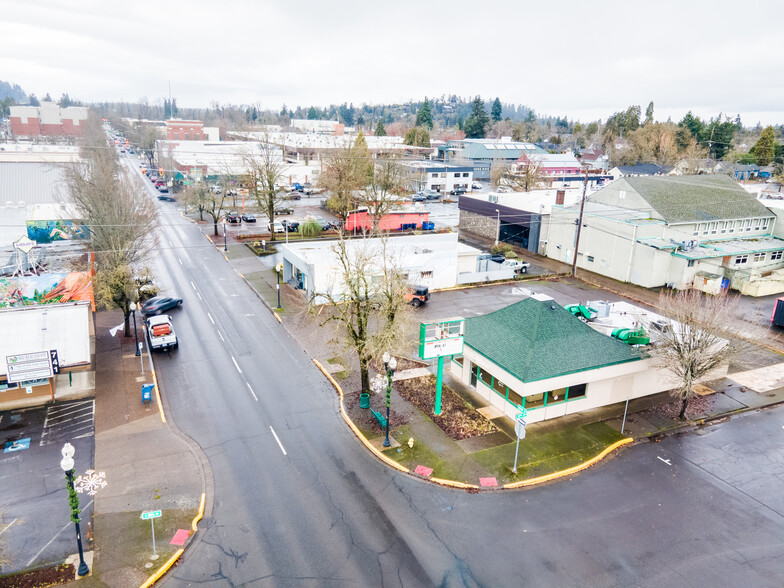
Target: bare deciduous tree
263 173
341 179
701 334
205 199
524 178
120 215
388 182
367 299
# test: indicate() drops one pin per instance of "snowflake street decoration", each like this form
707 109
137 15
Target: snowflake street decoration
378 384
91 482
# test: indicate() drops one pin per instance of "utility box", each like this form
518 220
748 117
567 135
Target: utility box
777 318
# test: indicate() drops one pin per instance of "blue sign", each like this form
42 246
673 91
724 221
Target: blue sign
17 445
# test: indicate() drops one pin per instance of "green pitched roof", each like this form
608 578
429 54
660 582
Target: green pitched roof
680 199
536 340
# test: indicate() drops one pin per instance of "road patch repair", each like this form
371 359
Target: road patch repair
546 457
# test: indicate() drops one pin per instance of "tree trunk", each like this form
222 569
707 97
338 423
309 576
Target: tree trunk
215 227
682 416
127 322
364 375
201 213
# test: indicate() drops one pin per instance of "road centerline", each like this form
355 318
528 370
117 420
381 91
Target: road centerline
278 440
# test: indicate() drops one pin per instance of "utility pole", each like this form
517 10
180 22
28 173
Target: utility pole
579 225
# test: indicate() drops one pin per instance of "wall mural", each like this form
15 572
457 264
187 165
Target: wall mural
46 289
46 231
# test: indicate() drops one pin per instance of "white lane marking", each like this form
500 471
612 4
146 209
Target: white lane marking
667 461
210 317
193 285
170 243
178 259
199 295
235 364
35 557
252 392
8 526
278 440
221 336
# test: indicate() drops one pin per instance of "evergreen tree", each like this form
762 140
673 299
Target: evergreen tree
313 114
424 117
418 136
65 101
475 126
380 130
649 114
284 111
765 147
495 111
48 98
34 101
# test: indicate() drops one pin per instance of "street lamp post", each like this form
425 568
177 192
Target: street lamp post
497 225
225 248
67 464
132 307
278 269
390 363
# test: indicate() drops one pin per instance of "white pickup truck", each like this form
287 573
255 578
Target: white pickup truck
160 330
518 265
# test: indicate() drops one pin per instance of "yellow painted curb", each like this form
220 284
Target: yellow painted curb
569 471
277 317
200 514
453 484
357 432
165 568
155 382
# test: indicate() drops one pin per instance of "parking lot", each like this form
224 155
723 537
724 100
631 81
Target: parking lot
34 512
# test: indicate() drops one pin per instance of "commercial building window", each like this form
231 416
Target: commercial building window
485 378
458 359
434 175
765 225
7 386
741 259
465 174
534 401
555 396
690 263
499 388
577 391
513 397
428 274
590 258
759 257
713 227
776 255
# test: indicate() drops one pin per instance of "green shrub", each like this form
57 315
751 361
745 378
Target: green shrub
309 228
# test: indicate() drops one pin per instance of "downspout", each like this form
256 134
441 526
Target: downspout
631 255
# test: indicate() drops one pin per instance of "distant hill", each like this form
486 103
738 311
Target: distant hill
14 92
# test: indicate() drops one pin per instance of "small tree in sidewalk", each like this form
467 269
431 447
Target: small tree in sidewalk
701 333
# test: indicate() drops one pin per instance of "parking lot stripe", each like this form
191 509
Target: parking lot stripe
60 532
63 422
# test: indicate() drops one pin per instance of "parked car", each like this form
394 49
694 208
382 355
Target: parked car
293 195
276 227
161 332
166 198
249 218
325 224
418 197
458 191
496 257
163 189
417 295
518 265
430 194
159 304
283 210
503 189
476 186
291 226
233 217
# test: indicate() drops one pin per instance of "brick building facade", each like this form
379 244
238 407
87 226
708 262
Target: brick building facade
47 120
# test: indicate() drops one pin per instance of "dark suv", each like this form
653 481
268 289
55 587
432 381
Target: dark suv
233 217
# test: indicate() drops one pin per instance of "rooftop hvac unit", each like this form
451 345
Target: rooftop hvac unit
601 307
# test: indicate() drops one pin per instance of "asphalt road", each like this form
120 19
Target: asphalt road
297 500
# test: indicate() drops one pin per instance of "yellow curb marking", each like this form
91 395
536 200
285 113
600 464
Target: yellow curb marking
165 568
463 485
200 514
155 381
357 432
276 316
569 471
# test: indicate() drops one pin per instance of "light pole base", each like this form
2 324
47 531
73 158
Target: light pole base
83 569
387 443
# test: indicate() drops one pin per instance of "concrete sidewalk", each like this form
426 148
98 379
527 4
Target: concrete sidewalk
149 465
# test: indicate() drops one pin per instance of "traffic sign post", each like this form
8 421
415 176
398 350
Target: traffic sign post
520 432
152 515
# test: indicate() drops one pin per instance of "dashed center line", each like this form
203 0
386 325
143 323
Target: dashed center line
210 317
278 440
221 336
252 392
236 365
178 259
199 295
193 285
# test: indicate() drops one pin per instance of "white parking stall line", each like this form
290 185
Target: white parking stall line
278 440
210 317
8 526
60 532
252 392
66 421
236 365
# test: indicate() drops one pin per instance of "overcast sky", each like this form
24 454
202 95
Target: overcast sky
584 60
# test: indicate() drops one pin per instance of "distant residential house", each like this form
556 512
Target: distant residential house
692 166
595 159
483 154
558 170
638 169
664 231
